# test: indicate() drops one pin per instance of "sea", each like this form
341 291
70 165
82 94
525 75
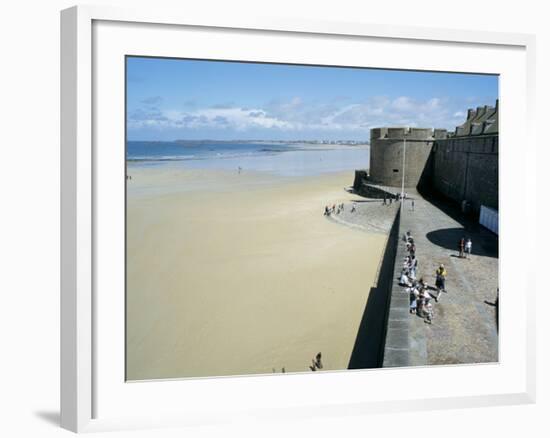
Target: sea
292 159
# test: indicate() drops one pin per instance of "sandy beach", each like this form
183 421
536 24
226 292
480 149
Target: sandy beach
231 274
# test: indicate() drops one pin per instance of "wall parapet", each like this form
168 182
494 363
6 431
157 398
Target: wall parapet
409 133
397 339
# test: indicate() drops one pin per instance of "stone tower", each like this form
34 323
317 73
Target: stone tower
386 154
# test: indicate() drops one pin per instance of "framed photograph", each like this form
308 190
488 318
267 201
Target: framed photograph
286 218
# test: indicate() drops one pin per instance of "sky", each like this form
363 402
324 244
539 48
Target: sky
178 99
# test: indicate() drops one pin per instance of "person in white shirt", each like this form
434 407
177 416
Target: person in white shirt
468 248
404 279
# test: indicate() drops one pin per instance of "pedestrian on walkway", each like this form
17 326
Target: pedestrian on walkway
412 249
440 275
413 267
404 279
461 244
468 248
429 313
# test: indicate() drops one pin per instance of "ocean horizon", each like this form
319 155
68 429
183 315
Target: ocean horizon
285 159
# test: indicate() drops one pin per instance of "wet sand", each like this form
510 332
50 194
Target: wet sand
231 274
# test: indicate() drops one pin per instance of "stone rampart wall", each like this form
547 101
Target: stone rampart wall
466 168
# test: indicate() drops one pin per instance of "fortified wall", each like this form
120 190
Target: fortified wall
461 165
464 166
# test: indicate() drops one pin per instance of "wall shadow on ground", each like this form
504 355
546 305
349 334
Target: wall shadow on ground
368 349
448 238
484 242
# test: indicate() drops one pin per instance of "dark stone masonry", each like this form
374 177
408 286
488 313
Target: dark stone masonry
448 177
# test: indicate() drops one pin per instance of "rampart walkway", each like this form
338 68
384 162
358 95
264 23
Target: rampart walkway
465 324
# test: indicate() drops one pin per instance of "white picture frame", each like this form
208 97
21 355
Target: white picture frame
86 375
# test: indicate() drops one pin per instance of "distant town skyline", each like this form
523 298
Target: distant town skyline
172 99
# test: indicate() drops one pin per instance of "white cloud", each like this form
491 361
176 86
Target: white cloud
402 103
296 115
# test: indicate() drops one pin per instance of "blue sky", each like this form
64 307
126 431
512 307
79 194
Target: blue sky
169 99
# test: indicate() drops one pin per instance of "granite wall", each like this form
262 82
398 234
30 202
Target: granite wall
466 169
387 146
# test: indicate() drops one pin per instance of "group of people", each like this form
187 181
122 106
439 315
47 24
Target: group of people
337 209
464 248
419 291
388 200
334 209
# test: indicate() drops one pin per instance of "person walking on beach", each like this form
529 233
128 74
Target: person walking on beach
468 248
384 201
412 205
461 244
353 208
316 363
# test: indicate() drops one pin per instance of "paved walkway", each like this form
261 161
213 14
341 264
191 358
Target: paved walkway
369 215
464 329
